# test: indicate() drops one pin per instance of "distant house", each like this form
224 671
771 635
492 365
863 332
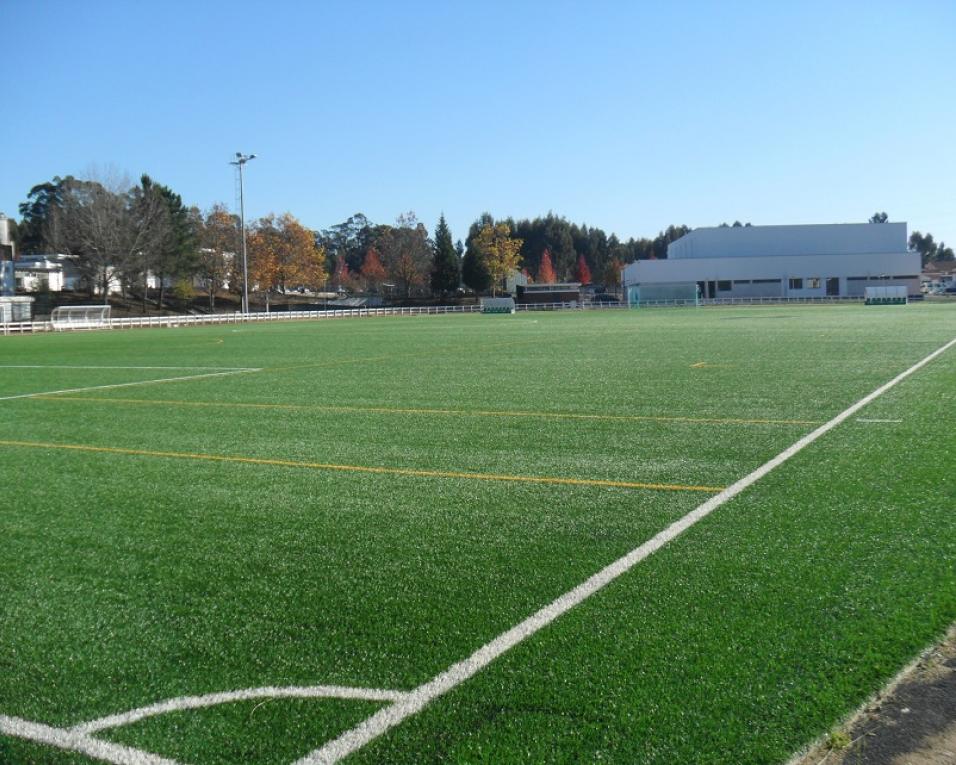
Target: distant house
562 292
939 276
38 273
55 272
828 260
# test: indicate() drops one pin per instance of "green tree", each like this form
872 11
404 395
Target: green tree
879 217
217 251
445 275
39 212
170 247
474 272
925 245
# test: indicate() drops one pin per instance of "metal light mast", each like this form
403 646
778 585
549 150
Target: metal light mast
239 162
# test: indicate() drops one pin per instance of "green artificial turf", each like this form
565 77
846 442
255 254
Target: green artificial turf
131 577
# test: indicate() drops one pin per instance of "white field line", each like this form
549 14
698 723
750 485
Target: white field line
213 699
79 742
130 384
91 366
868 420
388 717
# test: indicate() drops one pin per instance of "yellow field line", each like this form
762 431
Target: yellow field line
362 468
450 412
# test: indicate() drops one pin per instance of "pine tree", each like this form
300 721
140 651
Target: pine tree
445 267
474 272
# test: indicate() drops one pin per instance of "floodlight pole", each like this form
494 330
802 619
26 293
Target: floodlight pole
241 160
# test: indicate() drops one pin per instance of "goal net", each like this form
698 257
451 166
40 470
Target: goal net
80 317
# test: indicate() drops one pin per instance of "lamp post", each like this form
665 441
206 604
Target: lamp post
239 161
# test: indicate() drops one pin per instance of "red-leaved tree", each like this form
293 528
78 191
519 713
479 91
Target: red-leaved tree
582 273
341 277
546 273
372 270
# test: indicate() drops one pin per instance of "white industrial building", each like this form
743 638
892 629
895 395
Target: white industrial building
812 261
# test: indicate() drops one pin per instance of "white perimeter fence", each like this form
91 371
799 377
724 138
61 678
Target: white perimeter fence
239 318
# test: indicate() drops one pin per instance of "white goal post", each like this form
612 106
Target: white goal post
80 317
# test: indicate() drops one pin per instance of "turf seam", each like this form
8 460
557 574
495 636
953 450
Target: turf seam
387 718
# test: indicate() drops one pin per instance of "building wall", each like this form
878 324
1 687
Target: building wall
770 276
764 241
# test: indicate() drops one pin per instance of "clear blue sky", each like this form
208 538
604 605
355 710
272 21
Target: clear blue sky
625 115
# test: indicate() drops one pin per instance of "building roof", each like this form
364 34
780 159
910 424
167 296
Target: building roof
815 239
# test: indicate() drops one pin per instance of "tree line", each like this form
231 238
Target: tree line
930 251
116 232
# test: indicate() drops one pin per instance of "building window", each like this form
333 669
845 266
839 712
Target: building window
813 283
741 281
723 286
766 281
796 284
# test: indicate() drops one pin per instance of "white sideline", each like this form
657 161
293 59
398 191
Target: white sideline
129 384
388 717
213 699
97 366
79 742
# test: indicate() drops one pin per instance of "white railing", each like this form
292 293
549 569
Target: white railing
23 327
753 301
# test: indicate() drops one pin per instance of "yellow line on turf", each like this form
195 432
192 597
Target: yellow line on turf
361 468
450 412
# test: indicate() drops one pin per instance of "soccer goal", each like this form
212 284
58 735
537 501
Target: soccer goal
80 317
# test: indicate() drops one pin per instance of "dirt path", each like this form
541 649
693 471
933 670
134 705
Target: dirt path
914 724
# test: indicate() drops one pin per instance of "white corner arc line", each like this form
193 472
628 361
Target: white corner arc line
181 703
388 717
128 384
73 741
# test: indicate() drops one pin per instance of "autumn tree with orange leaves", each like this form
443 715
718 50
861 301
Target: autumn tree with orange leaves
283 255
373 272
582 273
546 274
